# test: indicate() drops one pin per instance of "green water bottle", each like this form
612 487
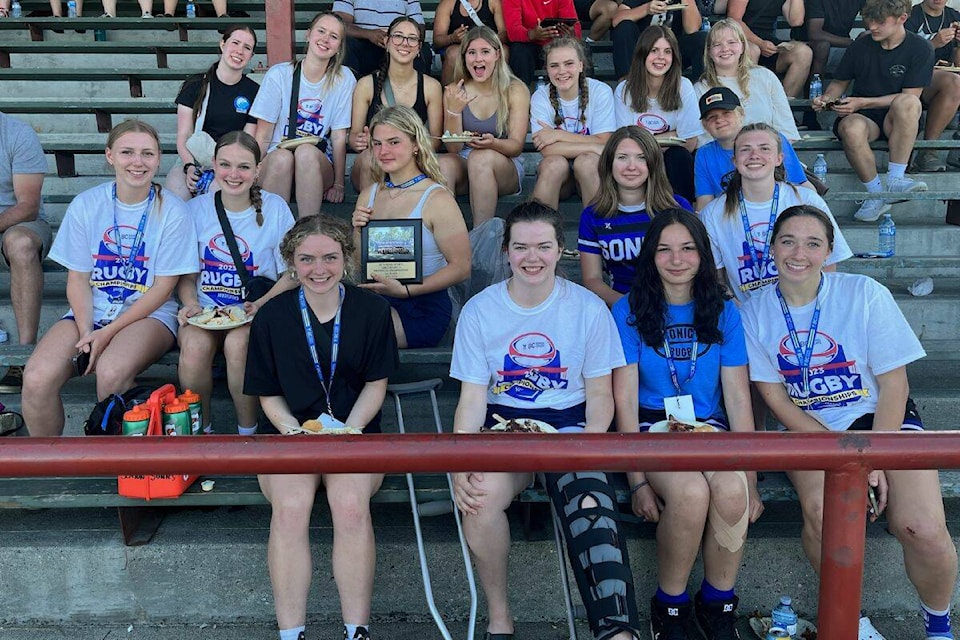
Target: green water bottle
176 419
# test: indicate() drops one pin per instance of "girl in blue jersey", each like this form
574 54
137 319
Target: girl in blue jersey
685 352
633 188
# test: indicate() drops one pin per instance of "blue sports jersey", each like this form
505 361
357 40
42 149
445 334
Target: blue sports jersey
655 382
617 240
713 163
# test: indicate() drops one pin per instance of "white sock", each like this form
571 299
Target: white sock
291 634
589 40
248 431
874 186
895 170
208 428
351 629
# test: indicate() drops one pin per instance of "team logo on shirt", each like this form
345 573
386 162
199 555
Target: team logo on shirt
573 125
115 273
681 337
834 380
309 117
897 71
753 277
218 276
531 366
241 104
652 123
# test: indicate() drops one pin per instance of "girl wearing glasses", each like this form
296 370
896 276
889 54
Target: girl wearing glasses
396 82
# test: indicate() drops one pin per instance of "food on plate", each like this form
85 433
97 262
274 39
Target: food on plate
830 103
677 426
219 316
520 425
316 428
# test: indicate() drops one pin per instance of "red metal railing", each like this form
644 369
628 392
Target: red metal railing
847 458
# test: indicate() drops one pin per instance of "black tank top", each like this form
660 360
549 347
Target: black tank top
420 106
457 20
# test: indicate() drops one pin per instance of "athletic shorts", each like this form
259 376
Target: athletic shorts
39 228
876 115
425 318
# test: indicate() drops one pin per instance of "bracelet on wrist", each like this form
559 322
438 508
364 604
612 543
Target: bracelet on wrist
338 184
638 486
455 114
407 287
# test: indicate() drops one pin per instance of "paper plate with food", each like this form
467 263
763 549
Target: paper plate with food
670 141
464 136
316 428
672 425
520 425
293 143
761 625
220 318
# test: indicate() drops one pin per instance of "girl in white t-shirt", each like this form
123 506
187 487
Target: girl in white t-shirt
122 244
727 62
851 376
755 195
656 97
538 346
258 221
323 110
570 119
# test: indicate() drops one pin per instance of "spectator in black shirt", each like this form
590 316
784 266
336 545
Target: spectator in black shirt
939 25
789 60
826 28
633 16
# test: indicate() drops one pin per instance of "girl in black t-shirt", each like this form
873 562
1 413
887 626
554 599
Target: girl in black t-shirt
321 353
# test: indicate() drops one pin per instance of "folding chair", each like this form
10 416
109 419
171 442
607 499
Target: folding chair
434 508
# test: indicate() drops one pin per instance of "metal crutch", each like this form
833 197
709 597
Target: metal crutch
562 562
434 508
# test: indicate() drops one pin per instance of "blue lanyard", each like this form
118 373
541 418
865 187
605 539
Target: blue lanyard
673 367
804 352
126 264
409 183
760 257
312 344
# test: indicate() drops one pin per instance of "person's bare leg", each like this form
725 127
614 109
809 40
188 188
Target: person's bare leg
170 7
602 12
177 183
942 98
360 172
313 174
492 174
22 249
56 8
809 488
794 66
46 372
901 126
729 498
552 175
146 6
354 549
398 329
821 56
194 367
856 132
220 7
686 498
585 172
132 350
235 351
276 173
110 7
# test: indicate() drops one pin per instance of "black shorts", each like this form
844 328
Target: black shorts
770 62
876 115
583 9
911 420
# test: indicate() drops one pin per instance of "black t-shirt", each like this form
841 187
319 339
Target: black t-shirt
279 362
838 17
761 16
928 26
876 71
228 105
672 19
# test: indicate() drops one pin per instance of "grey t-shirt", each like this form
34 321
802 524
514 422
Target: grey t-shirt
20 152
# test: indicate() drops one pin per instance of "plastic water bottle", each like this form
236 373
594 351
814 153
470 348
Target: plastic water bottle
3 335
72 9
816 86
16 11
888 236
191 10
784 616
820 168
705 25
541 83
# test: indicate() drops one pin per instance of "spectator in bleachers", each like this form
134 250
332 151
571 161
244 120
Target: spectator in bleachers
214 103
722 118
570 119
323 90
682 338
740 220
633 190
257 222
122 243
366 23
528 34
826 28
396 82
146 8
488 101
891 67
940 25
408 185
342 378
728 64
4 8
599 13
656 97
857 381
634 16
453 19
24 232
540 347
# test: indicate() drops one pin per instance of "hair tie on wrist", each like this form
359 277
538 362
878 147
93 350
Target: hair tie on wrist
638 486
454 113
407 287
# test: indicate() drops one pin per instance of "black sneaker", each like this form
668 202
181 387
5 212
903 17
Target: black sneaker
302 636
362 633
12 382
670 622
717 620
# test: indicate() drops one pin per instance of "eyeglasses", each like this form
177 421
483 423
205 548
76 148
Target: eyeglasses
398 39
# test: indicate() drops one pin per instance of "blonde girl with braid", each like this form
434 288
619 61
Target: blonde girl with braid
258 221
571 119
216 102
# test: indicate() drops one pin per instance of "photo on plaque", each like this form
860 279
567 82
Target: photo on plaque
392 249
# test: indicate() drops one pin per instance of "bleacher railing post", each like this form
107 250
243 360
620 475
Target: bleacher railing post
281 26
841 553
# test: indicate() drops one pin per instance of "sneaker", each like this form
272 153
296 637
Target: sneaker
867 630
146 14
12 382
927 161
717 620
905 185
871 210
670 622
302 636
360 634
953 157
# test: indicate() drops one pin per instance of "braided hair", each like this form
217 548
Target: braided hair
583 89
249 143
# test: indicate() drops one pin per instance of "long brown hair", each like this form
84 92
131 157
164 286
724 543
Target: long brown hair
583 92
659 193
735 183
210 73
668 95
744 65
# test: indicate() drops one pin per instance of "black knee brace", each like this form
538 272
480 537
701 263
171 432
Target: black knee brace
597 550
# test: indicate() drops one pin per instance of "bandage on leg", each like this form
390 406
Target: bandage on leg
730 537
